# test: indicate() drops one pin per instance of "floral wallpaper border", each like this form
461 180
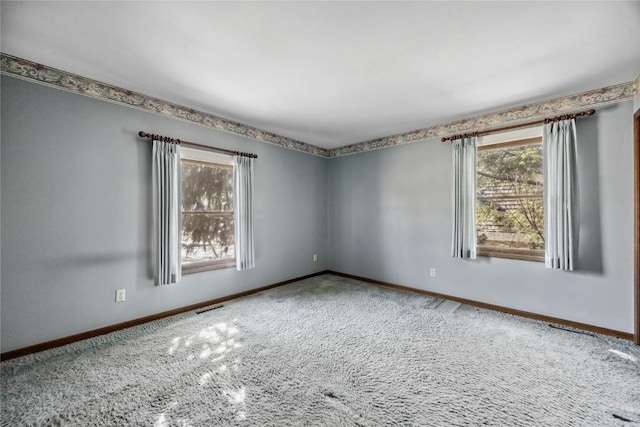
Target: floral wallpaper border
526 113
31 71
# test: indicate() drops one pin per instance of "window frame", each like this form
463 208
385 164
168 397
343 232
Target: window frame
194 155
536 255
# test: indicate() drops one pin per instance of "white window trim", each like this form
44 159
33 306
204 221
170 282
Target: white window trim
495 139
513 135
187 153
205 156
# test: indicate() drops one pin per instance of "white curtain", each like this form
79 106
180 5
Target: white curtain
243 183
166 212
560 194
464 198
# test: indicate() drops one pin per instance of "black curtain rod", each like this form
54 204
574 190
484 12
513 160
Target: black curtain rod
522 125
153 136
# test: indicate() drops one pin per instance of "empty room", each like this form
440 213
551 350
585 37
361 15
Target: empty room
301 213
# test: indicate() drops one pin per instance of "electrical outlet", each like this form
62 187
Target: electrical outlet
120 295
432 272
315 258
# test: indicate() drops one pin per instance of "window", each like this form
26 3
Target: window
208 240
510 205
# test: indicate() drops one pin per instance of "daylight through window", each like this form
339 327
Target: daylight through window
208 240
510 206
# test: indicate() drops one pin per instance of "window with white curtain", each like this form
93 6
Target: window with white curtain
509 195
208 237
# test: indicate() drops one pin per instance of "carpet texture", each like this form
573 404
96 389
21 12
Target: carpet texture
330 351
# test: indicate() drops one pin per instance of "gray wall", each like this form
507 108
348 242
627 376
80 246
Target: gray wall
390 219
76 215
75 220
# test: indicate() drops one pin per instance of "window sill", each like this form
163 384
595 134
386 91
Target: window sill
520 254
198 267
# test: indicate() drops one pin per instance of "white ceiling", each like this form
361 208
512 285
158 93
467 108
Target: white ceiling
334 73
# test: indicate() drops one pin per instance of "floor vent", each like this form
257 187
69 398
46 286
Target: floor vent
204 310
571 330
620 417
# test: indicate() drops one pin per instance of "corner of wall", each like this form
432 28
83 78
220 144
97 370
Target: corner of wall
636 100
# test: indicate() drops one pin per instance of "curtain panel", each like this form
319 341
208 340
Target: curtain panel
560 194
464 198
166 243
243 183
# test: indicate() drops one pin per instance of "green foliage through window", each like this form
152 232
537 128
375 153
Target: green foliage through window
510 210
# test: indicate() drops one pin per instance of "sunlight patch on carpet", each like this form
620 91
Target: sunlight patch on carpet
624 355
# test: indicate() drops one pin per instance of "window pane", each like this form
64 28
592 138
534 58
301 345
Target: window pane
206 187
207 212
510 209
207 237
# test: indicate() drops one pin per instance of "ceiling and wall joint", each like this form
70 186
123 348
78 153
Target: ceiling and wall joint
37 73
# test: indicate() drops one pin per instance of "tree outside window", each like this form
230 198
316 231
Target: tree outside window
510 207
208 239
